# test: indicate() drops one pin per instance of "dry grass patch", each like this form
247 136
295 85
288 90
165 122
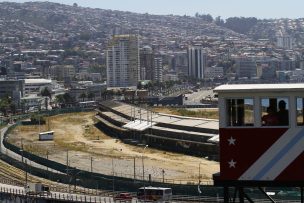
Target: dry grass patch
204 113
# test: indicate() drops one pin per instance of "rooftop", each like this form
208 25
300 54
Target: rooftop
260 87
40 80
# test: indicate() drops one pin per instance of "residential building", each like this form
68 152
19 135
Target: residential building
158 69
214 72
32 86
285 41
63 72
196 62
266 70
88 89
171 76
246 67
146 63
32 100
13 89
123 67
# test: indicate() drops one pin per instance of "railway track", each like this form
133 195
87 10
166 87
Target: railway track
14 176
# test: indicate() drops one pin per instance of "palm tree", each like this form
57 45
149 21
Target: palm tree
59 99
45 92
82 96
68 98
23 104
91 95
4 105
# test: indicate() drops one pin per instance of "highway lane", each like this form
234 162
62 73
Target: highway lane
196 97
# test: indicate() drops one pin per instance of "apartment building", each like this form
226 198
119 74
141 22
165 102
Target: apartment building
122 58
196 62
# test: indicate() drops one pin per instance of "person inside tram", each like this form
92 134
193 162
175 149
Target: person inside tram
270 119
282 113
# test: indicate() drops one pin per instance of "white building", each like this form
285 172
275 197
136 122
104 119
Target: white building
170 77
196 62
285 41
36 85
32 101
158 69
214 72
123 61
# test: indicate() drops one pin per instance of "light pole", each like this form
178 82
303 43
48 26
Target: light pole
1 140
113 176
75 179
142 160
199 173
91 164
47 157
24 168
143 166
199 181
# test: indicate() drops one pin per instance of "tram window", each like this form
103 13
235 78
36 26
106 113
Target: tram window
275 112
240 112
300 111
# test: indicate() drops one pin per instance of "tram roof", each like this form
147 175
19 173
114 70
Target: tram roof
294 87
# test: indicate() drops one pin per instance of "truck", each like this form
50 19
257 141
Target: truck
37 189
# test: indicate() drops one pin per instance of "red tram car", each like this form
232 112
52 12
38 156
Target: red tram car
261 135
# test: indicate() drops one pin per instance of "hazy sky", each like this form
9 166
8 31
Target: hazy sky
224 8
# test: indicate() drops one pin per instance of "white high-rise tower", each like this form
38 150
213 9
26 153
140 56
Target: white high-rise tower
123 61
196 62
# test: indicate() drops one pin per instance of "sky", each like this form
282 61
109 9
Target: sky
225 8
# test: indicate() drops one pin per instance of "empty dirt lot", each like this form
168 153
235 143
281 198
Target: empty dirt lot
76 135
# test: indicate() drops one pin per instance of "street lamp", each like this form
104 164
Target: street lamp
143 166
142 159
199 181
113 176
24 166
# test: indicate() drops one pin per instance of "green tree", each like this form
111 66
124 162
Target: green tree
68 98
82 96
45 92
59 99
22 105
91 95
4 105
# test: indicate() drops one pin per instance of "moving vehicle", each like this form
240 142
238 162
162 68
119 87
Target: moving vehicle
156 194
125 197
37 189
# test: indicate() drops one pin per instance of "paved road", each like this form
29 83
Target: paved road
196 97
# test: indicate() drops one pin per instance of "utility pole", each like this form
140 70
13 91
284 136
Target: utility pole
67 160
91 164
47 157
143 167
139 112
134 170
0 141
67 168
26 173
113 173
147 114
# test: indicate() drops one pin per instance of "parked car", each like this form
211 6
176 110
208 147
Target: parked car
123 196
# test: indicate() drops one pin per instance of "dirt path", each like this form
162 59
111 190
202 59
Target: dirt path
76 134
